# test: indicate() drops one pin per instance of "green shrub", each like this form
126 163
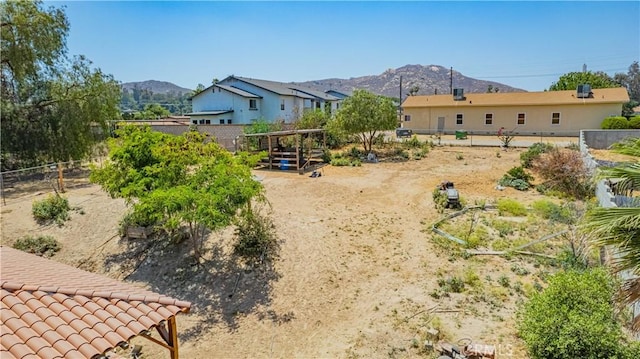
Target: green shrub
137 218
574 317
533 152
256 239
414 142
634 122
45 246
615 123
554 212
510 206
504 228
346 162
53 208
451 285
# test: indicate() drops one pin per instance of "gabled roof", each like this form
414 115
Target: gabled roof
600 96
209 113
286 89
52 310
237 91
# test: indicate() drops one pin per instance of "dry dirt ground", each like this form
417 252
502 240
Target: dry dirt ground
356 270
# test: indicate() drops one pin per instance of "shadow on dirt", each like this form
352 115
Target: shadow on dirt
221 288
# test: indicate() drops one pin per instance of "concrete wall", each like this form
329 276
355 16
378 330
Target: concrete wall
602 139
573 118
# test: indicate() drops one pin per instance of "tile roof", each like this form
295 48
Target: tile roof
52 310
600 96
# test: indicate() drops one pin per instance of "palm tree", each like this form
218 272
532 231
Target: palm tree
620 227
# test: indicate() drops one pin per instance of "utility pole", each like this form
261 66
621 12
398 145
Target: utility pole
400 104
451 81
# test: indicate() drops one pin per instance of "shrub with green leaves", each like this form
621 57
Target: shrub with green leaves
45 246
615 123
533 152
512 207
574 318
256 239
517 178
54 208
554 212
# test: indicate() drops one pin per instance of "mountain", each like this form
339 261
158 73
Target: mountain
154 86
428 79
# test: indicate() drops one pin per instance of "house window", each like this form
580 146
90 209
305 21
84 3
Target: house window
407 118
282 105
459 119
555 118
253 104
318 104
337 105
195 122
228 121
207 122
202 121
521 118
222 121
488 119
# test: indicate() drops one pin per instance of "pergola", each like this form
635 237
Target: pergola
296 150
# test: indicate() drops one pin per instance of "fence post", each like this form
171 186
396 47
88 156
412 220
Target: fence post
60 178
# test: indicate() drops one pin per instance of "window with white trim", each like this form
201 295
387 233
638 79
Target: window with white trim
407 118
207 122
253 104
459 119
228 121
555 118
222 121
488 119
282 105
521 119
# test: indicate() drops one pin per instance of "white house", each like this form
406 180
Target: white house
240 100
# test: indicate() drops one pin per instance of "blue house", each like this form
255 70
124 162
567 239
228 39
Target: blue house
240 101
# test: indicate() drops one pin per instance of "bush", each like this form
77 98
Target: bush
53 208
451 285
510 206
563 170
517 178
573 318
256 239
634 122
615 123
45 246
533 152
554 212
346 162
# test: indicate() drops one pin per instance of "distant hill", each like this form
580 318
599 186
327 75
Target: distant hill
428 79
157 87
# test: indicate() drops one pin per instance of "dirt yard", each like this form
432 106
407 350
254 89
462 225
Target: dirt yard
357 269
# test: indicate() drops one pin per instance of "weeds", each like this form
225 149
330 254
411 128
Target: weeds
45 246
53 208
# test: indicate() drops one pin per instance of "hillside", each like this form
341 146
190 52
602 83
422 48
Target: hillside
428 79
154 86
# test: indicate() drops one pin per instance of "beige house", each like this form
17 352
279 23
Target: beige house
549 113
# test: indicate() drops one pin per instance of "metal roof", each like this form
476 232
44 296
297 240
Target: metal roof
237 91
209 113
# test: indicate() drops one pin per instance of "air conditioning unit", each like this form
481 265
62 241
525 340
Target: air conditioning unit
584 91
458 94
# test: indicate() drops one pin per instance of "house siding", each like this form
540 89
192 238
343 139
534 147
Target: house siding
573 118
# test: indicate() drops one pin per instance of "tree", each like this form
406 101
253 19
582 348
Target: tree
574 318
177 181
364 114
630 80
52 106
620 227
312 119
571 80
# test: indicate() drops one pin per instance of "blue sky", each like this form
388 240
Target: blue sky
521 44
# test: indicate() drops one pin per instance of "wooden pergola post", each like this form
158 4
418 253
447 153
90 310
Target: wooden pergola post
270 152
169 337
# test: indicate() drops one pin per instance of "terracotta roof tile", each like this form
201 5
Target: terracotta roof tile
51 310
